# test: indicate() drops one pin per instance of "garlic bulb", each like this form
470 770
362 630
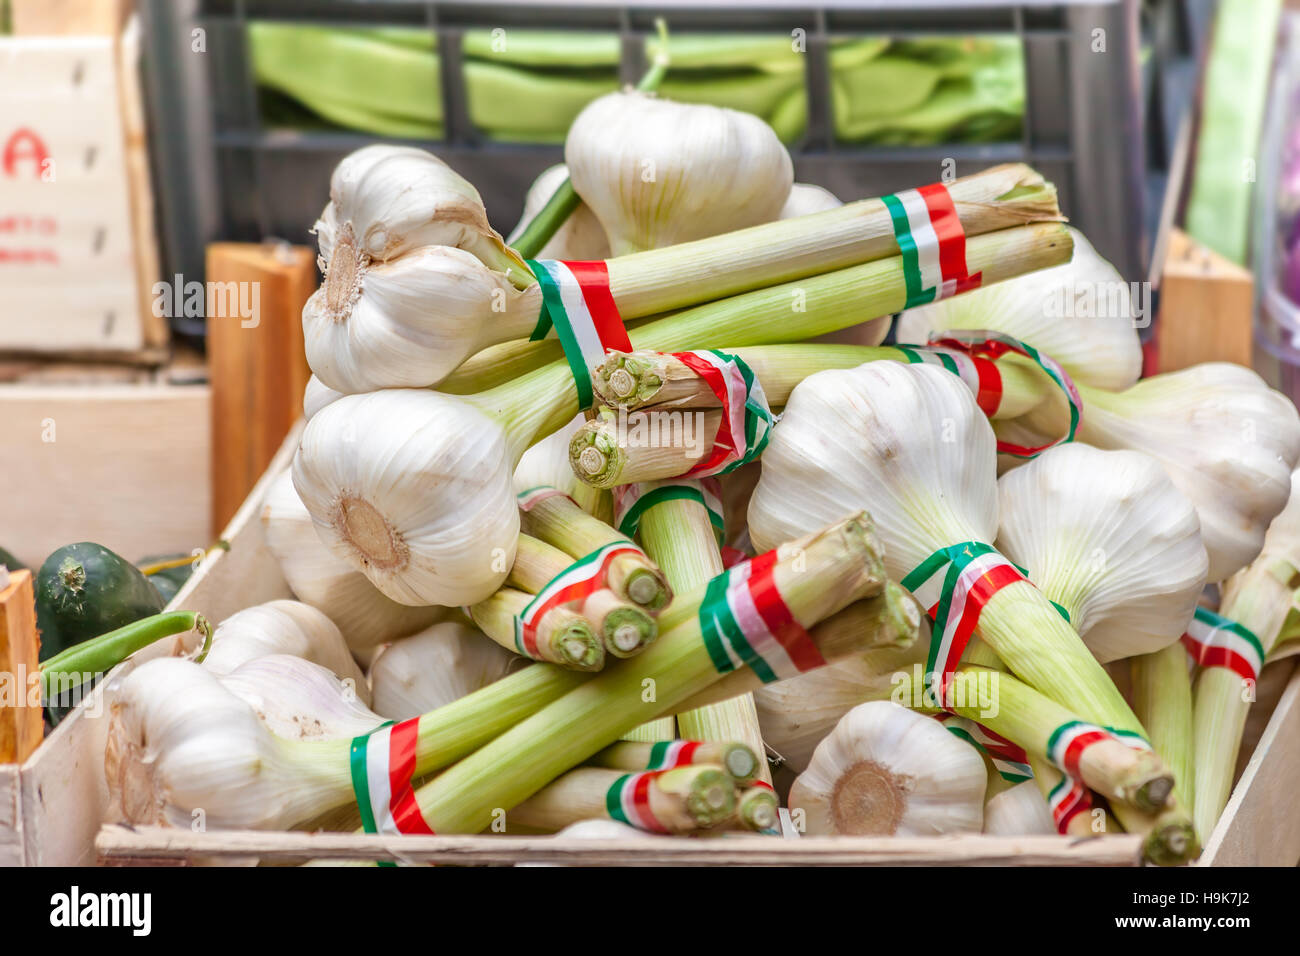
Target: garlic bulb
796 714
580 238
316 396
1080 313
1227 440
182 749
299 700
434 667
410 321
657 173
379 473
1106 535
283 627
547 462
805 199
887 771
365 616
1018 811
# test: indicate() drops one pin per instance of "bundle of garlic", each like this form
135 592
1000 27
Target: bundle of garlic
364 615
886 771
414 487
580 237
433 667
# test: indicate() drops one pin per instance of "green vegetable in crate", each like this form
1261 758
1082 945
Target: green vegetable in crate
9 561
84 590
167 572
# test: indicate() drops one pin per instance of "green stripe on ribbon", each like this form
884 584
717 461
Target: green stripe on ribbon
655 496
360 785
614 799
1219 622
544 317
907 249
658 753
715 590
554 314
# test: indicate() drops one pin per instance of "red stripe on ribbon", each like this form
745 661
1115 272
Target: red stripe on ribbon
1075 802
980 593
593 279
1209 656
402 804
641 800
685 753
952 238
577 591
732 557
990 378
724 442
1077 746
789 633
764 785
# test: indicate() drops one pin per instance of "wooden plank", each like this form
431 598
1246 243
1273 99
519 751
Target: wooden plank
1206 305
116 843
21 722
64 794
11 828
123 465
69 17
257 365
1260 826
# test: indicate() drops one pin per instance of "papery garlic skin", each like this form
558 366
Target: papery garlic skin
438 665
283 627
1106 535
887 771
580 237
378 472
1018 811
863 438
364 615
1100 349
656 172
412 320
806 199
1227 440
182 748
299 700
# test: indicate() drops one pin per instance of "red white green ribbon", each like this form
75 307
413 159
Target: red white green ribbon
1067 800
932 244
530 498
980 375
1068 743
1216 641
746 418
628 801
574 584
746 623
994 345
667 754
1009 759
953 585
576 301
632 501
382 764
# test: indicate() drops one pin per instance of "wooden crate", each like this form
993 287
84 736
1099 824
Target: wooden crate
52 809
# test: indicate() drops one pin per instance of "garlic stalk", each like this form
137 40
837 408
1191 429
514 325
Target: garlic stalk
1226 439
362 612
434 667
1018 811
805 199
886 771
1080 313
657 173
414 488
909 442
1107 536
299 700
284 627
579 238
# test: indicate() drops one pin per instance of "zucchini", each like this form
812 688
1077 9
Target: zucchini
9 561
84 590
167 580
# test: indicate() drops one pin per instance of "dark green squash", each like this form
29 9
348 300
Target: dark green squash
84 590
9 561
168 580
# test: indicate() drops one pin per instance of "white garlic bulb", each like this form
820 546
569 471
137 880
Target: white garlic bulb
413 488
317 577
580 237
299 700
1106 535
887 771
1018 811
316 396
805 199
283 627
1080 313
657 173
440 664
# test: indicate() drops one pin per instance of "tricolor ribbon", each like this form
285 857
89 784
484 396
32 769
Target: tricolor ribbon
575 583
953 585
746 419
1216 641
632 501
628 801
1066 801
668 754
980 374
576 301
1068 743
994 345
530 498
1008 758
932 244
382 763
745 623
